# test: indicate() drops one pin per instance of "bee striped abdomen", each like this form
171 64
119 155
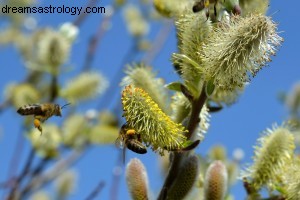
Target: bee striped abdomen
31 109
136 146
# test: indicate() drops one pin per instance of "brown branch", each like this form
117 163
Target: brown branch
41 180
95 40
25 171
197 105
78 21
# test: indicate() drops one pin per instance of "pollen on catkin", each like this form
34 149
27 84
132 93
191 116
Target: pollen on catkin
238 50
137 179
273 152
155 127
143 77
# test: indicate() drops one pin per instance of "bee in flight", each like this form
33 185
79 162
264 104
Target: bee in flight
129 138
41 112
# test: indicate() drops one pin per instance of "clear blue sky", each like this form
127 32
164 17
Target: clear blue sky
235 127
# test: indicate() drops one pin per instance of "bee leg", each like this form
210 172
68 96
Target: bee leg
139 137
37 124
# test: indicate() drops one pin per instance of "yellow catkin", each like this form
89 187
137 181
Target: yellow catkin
274 151
155 127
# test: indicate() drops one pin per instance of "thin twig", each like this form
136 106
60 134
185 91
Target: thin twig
95 40
158 43
56 170
78 21
95 192
4 105
23 174
14 162
112 89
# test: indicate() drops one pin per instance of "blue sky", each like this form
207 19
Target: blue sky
237 126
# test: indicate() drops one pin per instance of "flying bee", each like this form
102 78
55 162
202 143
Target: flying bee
41 112
129 138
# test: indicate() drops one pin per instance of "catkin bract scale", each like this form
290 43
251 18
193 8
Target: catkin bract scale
156 128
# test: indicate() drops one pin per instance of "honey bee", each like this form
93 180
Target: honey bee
200 5
129 138
41 112
204 4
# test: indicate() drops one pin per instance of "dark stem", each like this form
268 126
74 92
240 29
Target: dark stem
53 88
78 21
43 179
40 167
197 105
23 174
277 197
19 146
196 109
95 192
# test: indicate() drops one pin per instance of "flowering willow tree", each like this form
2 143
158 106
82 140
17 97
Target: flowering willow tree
221 46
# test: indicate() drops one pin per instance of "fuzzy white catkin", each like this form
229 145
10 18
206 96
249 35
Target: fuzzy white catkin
239 50
84 86
274 150
215 184
137 179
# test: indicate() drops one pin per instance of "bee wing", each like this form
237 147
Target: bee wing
120 143
123 155
31 109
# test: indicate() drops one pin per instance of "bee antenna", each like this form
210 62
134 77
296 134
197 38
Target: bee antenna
65 105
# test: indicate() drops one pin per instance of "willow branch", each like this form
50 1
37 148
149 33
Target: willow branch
159 42
13 193
197 105
78 21
39 181
95 40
